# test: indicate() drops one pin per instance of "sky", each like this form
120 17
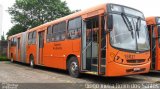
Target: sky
148 7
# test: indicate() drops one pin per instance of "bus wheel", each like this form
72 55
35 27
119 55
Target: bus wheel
12 60
73 67
32 61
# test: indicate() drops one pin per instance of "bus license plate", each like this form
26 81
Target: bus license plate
136 69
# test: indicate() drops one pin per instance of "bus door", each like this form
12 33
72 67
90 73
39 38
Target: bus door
91 44
158 49
40 47
153 45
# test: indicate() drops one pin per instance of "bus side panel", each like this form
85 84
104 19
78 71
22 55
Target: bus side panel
55 53
47 54
30 50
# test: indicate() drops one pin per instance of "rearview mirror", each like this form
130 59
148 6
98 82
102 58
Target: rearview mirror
110 22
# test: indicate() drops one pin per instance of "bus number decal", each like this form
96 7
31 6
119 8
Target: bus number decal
129 56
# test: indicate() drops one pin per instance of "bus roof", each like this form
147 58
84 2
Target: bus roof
16 35
64 18
102 6
71 16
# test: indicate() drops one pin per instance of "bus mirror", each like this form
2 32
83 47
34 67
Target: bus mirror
110 22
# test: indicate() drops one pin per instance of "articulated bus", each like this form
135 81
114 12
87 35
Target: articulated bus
153 24
107 40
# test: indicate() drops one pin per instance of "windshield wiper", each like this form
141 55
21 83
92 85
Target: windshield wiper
128 23
138 25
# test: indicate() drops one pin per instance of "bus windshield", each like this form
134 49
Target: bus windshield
129 38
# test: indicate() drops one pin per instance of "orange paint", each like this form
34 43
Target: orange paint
55 54
154 39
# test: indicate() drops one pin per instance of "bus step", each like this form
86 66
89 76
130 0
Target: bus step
94 67
102 70
93 73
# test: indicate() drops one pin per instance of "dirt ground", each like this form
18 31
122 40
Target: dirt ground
23 74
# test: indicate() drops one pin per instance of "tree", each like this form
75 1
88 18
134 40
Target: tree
16 29
2 38
31 13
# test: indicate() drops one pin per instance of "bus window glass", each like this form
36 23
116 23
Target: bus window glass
59 31
56 32
158 20
30 38
13 42
49 33
34 38
120 36
133 12
74 28
62 30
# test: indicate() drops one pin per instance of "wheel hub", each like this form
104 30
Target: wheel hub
74 67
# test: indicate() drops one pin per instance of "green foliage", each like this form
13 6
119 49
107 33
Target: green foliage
16 29
31 13
3 58
2 38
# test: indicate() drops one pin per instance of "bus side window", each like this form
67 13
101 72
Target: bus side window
62 30
49 34
59 31
54 33
56 27
74 28
34 37
30 37
12 42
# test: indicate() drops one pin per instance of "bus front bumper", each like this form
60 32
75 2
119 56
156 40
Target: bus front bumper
114 69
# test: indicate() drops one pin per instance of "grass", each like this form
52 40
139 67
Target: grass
3 58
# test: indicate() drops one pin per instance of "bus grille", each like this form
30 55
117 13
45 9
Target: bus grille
136 61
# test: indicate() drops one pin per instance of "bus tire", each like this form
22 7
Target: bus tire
12 60
32 61
73 67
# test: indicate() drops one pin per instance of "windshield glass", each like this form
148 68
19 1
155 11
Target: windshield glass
120 35
124 38
143 39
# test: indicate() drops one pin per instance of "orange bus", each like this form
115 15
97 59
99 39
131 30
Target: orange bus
153 24
106 40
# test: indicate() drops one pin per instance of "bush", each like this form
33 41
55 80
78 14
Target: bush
3 58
